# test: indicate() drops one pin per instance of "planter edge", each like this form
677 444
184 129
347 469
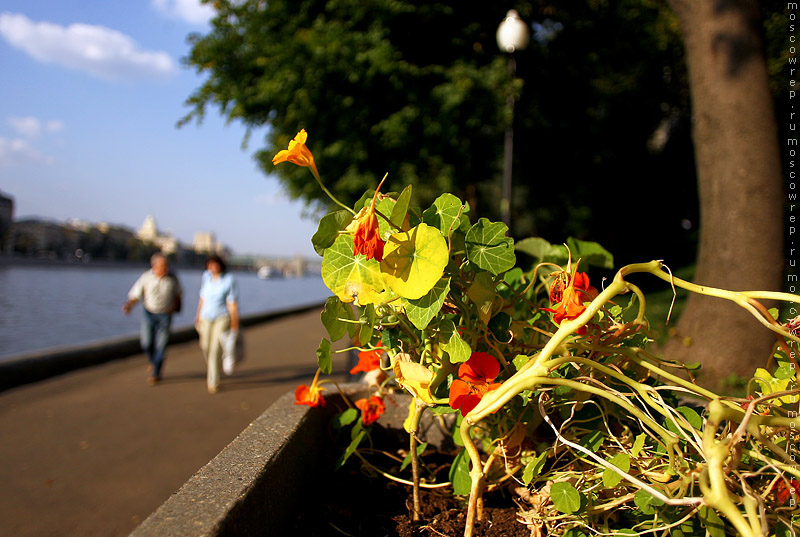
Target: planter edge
241 491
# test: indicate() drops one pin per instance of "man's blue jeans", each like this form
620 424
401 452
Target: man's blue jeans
155 336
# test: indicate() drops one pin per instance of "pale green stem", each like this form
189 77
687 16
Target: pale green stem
712 483
742 298
535 370
396 479
414 427
642 302
327 192
642 389
475 474
666 436
783 467
632 353
625 475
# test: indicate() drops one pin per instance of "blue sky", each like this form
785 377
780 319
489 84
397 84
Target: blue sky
90 96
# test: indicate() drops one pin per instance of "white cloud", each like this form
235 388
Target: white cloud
191 11
32 127
54 126
97 50
29 127
18 151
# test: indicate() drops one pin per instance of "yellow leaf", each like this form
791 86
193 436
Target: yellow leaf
414 377
770 384
413 261
482 294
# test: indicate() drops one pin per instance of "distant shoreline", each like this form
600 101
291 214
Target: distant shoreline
20 260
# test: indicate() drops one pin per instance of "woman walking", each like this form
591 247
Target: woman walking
217 312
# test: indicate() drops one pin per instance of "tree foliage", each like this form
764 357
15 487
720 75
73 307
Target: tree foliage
414 89
419 89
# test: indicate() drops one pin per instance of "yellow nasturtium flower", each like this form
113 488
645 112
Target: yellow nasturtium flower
298 154
414 377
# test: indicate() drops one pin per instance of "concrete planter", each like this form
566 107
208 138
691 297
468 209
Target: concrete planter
256 484
250 487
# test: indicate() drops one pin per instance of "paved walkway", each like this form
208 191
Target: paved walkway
95 451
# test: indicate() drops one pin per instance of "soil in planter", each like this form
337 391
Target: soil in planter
349 503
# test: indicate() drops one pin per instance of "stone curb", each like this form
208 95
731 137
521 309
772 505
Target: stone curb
255 486
251 487
32 367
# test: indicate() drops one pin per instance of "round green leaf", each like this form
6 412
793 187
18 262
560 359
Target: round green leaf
444 213
414 261
345 418
351 277
566 498
646 502
422 310
489 248
539 249
329 227
332 317
324 361
459 474
452 343
611 478
591 253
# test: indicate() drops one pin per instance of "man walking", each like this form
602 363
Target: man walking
161 293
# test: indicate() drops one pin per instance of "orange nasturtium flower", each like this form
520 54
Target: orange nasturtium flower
475 378
783 491
368 361
310 395
567 294
297 153
372 409
367 239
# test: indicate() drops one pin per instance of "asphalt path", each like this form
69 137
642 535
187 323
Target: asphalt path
95 451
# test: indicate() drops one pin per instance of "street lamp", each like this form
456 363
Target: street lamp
512 35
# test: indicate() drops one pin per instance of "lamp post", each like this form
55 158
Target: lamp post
512 35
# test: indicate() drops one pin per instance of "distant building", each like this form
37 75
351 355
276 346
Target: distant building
149 233
6 219
204 242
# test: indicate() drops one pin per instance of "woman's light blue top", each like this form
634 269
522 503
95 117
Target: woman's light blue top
216 294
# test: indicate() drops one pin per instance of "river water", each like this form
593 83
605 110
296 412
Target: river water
49 306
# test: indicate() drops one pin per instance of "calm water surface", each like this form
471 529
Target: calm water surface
48 306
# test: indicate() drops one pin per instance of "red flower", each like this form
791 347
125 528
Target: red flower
475 379
567 295
309 395
368 361
784 491
372 409
367 239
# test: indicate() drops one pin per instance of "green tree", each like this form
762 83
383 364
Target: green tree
418 89
415 89
606 127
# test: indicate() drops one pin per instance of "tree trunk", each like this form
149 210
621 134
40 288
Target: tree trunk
740 186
